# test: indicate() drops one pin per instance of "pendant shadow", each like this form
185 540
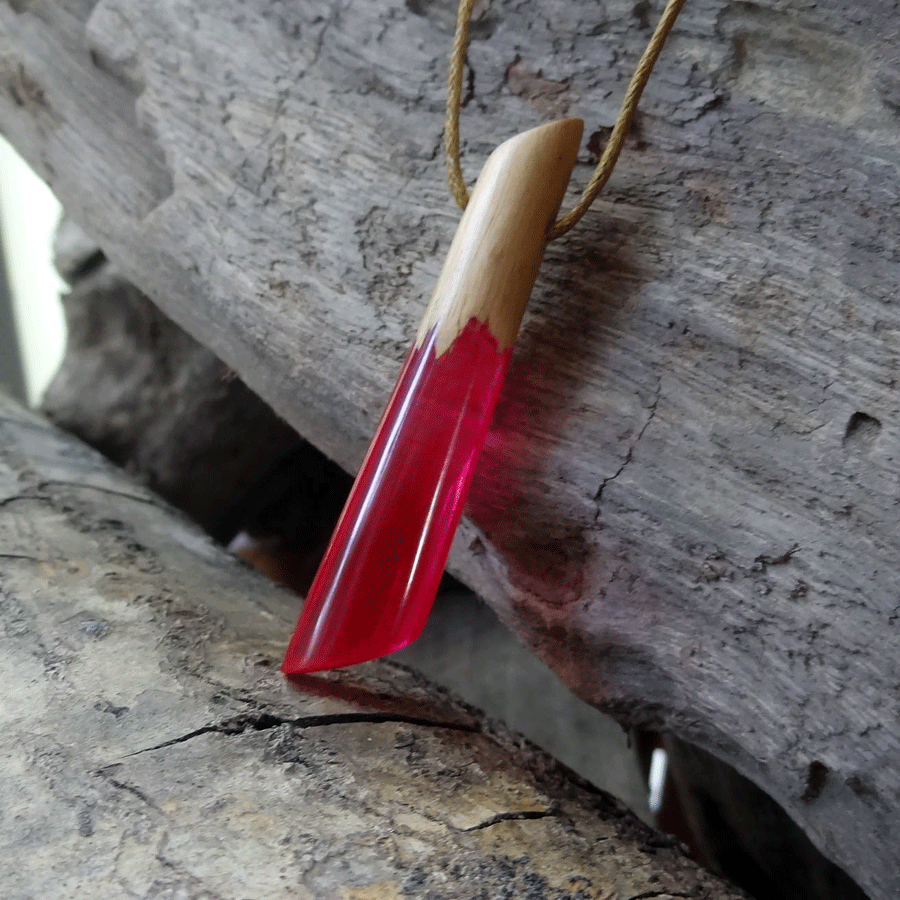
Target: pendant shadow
533 495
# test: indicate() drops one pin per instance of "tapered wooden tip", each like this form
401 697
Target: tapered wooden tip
498 247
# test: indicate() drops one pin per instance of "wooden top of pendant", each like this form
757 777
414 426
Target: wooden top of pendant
498 247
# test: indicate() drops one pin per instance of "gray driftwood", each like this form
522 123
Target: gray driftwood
689 504
151 748
144 393
154 401
133 385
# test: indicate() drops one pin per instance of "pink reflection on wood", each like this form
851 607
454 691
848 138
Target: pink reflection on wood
378 579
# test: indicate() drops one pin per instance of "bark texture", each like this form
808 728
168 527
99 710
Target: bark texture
688 506
151 749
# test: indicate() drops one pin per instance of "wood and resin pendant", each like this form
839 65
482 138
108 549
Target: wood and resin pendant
379 576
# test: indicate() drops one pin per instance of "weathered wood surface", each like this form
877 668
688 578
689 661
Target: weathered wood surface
287 515
154 401
689 504
117 387
151 749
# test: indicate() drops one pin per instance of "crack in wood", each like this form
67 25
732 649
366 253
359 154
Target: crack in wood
42 493
33 559
125 786
8 501
762 562
513 817
126 495
630 454
85 266
647 895
266 721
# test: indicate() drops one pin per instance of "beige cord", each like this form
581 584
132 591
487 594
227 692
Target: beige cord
613 146
454 101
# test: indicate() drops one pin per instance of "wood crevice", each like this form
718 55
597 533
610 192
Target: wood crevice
515 816
264 721
630 453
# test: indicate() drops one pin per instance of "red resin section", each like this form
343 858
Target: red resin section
377 582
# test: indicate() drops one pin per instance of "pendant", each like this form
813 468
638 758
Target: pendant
379 576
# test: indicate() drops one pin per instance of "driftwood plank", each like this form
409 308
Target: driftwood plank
689 503
139 389
151 749
133 385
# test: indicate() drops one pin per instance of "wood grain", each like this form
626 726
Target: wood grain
688 506
497 250
151 749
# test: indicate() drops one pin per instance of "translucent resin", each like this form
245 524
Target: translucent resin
380 574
